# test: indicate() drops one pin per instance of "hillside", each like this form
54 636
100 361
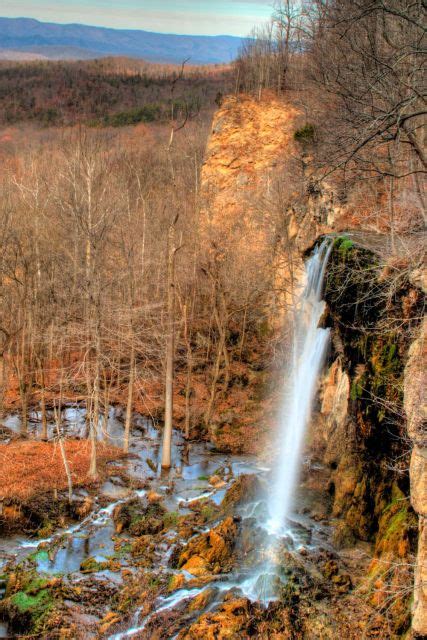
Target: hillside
114 91
76 41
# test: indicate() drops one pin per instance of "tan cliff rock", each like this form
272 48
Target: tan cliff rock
251 143
210 552
249 140
416 411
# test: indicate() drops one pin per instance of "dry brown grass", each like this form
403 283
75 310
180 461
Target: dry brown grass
28 468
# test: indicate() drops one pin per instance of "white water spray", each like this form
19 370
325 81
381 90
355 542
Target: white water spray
308 351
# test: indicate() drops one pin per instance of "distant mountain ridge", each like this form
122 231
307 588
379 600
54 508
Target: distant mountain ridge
59 41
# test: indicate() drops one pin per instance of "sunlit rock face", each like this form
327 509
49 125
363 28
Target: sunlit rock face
336 392
251 142
356 440
210 552
416 411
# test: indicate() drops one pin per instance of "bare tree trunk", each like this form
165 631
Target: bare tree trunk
44 434
23 391
189 374
223 341
129 405
24 410
391 214
167 433
243 335
106 413
215 377
93 471
88 416
3 378
92 434
58 413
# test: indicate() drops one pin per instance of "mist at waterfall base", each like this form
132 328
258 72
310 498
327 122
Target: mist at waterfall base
309 346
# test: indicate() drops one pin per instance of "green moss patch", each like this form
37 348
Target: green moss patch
170 519
91 565
29 601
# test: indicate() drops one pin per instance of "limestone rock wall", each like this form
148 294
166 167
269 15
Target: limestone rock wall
361 434
416 412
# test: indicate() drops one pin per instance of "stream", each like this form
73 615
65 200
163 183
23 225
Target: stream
63 553
201 546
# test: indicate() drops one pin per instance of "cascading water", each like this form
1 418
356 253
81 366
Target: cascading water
309 344
308 351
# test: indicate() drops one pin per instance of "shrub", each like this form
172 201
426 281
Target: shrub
306 134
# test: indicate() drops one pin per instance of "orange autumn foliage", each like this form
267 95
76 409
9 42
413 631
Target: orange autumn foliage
30 468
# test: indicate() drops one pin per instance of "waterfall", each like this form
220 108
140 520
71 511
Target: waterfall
309 343
308 349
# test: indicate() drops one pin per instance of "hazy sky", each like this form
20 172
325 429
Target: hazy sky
212 17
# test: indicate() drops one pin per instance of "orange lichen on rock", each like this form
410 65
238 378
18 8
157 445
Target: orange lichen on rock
228 622
30 468
210 552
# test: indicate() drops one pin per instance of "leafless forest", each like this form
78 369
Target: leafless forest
115 287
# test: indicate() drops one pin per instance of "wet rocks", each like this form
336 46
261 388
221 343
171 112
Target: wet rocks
149 524
217 482
228 622
29 601
153 497
143 549
341 582
202 600
108 621
246 488
204 509
139 517
91 565
84 507
210 552
343 536
121 517
176 582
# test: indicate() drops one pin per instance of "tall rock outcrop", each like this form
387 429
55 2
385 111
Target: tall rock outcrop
416 412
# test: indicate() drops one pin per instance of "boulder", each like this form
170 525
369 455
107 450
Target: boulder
176 582
153 497
227 623
140 517
202 600
210 552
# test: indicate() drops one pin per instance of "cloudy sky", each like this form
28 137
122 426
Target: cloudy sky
211 17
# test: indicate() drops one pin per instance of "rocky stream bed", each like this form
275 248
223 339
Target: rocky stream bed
183 554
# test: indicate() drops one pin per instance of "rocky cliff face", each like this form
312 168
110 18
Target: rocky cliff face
371 413
369 417
416 413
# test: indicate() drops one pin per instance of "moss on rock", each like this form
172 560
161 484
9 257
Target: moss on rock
29 602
